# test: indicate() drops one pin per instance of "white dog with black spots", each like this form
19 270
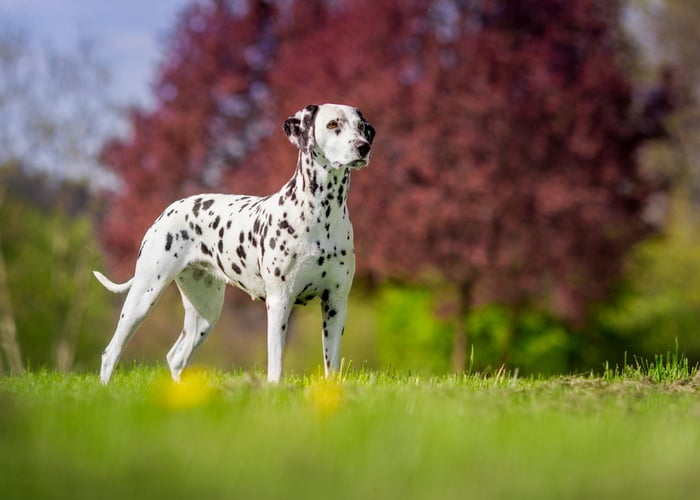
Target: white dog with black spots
285 248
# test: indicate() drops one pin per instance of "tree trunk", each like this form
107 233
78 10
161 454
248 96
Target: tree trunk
67 340
8 328
460 342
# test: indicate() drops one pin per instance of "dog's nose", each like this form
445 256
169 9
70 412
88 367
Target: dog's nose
362 148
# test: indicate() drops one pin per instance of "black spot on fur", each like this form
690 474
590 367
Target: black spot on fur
207 204
215 224
221 246
236 269
205 250
325 295
197 205
314 184
168 241
320 260
240 251
185 235
198 230
285 225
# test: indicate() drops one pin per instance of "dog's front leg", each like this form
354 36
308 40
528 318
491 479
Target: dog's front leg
278 311
334 309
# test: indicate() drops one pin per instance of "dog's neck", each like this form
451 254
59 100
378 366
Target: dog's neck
318 189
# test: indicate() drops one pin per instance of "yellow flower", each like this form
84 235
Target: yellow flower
325 396
194 389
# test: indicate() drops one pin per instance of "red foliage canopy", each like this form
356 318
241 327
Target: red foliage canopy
505 154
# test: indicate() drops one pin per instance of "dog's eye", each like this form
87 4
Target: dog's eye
361 126
332 124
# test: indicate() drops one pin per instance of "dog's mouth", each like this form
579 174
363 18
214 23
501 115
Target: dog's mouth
358 164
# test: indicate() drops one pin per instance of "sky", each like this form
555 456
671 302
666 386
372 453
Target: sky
129 34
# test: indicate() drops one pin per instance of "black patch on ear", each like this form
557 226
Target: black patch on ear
301 129
307 128
369 132
311 116
292 126
369 129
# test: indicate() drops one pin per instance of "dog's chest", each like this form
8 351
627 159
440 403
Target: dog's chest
305 250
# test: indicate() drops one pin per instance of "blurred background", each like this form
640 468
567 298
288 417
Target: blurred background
532 201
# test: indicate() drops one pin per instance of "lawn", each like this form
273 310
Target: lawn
632 433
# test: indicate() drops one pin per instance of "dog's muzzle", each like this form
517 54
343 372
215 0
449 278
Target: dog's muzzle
363 150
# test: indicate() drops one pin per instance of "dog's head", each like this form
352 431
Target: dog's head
334 132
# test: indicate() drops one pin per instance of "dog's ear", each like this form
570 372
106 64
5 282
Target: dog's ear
369 132
369 129
300 128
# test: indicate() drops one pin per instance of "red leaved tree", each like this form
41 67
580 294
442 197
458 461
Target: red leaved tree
505 154
213 108
505 159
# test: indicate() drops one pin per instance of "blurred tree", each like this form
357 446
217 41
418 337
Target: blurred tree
55 111
55 108
49 249
509 145
10 357
505 160
213 108
659 300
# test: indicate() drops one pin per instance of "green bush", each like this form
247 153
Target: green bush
409 336
49 256
660 302
530 341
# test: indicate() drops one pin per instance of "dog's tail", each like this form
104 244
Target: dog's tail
111 286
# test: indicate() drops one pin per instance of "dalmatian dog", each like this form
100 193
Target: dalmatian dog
284 249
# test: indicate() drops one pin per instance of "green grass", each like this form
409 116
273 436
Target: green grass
632 433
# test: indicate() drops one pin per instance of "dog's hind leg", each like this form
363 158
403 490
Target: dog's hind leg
142 296
202 298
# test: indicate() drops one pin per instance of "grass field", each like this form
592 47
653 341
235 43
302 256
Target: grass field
632 433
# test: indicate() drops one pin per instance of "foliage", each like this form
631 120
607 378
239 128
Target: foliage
507 136
661 300
530 341
409 336
49 254
55 107
368 434
414 334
